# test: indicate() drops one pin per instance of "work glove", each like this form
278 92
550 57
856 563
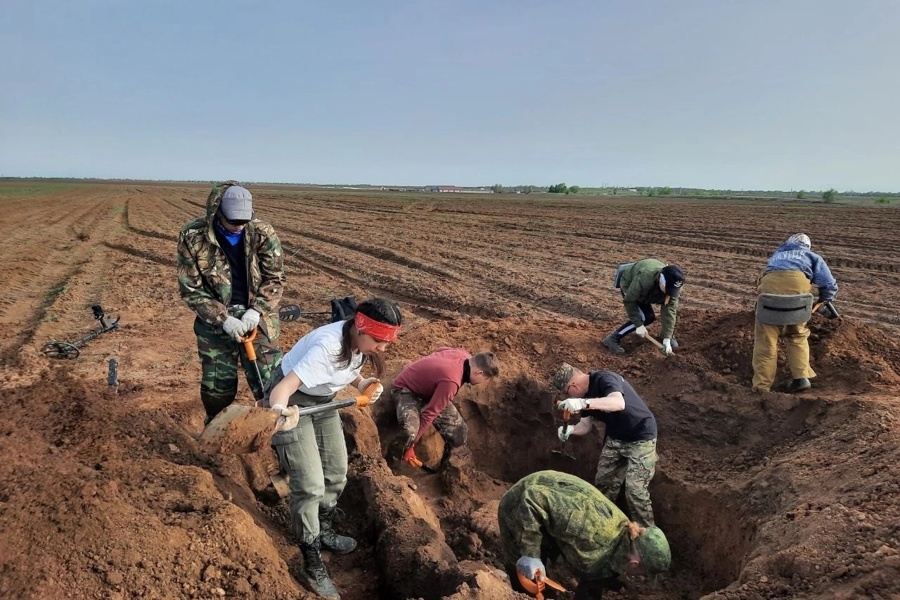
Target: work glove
529 566
667 346
564 432
250 320
290 417
573 405
641 331
410 457
379 389
235 328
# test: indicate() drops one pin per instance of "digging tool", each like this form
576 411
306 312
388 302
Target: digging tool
411 459
826 309
247 341
567 420
536 587
70 350
242 429
655 342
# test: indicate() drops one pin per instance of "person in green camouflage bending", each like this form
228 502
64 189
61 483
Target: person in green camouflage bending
231 273
548 514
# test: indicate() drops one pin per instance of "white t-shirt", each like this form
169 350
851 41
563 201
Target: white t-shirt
315 361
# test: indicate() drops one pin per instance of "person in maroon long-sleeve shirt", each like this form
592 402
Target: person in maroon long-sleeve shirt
423 393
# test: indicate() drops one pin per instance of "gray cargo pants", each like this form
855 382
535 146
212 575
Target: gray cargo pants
314 455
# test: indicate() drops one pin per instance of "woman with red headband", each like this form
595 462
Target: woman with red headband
311 448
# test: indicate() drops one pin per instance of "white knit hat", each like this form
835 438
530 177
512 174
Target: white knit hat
801 238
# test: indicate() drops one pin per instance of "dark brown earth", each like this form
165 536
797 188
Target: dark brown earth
108 496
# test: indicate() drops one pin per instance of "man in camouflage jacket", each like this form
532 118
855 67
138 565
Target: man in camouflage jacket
549 514
231 273
644 283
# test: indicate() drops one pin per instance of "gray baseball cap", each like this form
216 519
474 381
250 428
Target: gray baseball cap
237 204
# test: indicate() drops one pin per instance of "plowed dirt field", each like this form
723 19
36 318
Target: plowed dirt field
107 496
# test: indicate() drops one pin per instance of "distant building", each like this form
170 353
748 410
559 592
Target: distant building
457 189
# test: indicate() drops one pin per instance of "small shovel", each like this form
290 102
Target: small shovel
536 587
247 341
242 429
567 418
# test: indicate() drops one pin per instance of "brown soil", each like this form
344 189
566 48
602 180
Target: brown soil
108 496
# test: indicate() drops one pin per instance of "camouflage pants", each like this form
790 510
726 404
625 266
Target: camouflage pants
449 423
633 463
219 357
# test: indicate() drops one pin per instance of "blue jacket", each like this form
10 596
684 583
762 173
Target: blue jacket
791 256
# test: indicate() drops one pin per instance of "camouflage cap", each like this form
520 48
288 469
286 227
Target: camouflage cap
653 547
562 376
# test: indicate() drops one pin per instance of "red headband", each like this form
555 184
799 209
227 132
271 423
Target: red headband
378 330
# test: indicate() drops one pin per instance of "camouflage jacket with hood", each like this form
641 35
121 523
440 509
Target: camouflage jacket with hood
583 524
204 275
640 285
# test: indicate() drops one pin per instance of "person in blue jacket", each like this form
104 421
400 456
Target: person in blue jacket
790 271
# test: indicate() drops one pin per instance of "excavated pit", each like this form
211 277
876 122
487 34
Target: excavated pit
736 471
761 495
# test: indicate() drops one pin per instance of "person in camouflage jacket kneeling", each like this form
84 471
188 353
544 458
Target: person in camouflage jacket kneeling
231 273
550 514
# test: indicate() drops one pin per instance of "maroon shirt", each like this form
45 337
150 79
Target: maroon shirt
436 379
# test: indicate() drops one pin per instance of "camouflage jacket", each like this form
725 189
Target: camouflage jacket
204 275
639 284
587 528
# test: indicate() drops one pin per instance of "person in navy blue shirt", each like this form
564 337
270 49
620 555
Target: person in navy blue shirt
629 453
791 270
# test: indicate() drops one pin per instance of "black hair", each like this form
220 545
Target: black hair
379 309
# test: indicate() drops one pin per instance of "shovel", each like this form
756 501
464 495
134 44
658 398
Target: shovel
536 587
567 418
242 429
655 342
247 341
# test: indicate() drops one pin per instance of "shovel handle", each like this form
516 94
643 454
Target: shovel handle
247 341
366 396
534 587
652 339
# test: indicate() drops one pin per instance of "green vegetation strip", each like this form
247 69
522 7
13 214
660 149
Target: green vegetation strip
24 189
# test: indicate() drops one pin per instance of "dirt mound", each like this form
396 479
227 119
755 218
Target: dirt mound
132 510
846 354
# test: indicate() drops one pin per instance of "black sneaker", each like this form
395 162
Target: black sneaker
612 343
798 385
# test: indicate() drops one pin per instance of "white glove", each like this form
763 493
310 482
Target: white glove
641 331
564 432
379 389
290 417
529 566
235 328
667 346
573 405
250 320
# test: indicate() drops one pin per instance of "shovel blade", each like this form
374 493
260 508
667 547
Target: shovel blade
561 453
240 429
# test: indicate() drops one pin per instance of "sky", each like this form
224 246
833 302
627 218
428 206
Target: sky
769 94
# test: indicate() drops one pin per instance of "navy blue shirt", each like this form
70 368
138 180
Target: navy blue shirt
237 258
634 424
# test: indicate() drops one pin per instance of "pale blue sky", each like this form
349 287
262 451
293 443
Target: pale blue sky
758 94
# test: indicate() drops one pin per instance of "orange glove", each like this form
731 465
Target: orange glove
410 457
